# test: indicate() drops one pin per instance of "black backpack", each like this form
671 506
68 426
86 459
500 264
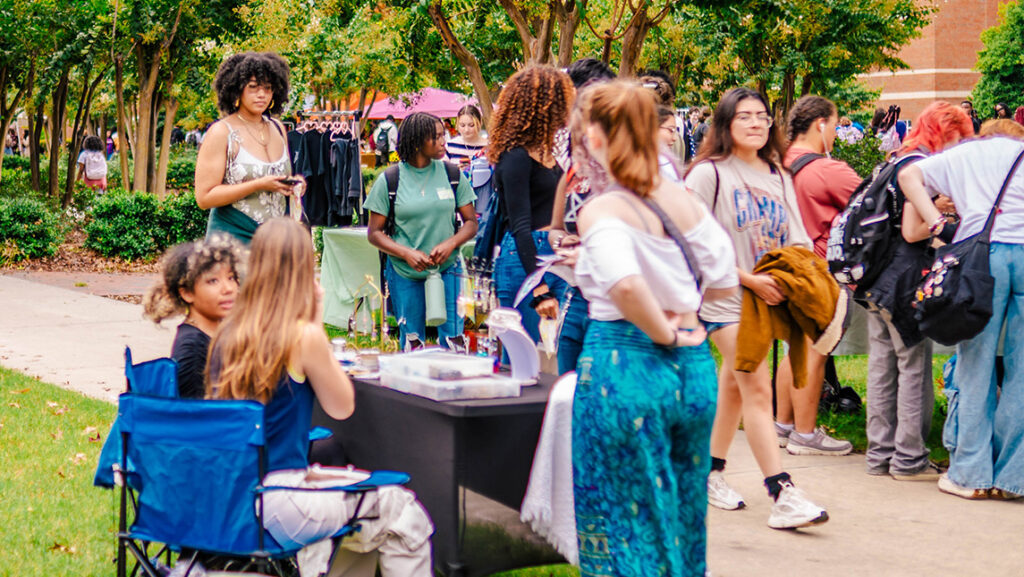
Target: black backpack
391 179
861 240
802 161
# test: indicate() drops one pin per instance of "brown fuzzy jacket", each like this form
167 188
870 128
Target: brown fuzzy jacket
815 306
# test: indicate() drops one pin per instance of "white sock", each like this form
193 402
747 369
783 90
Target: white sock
804 436
786 426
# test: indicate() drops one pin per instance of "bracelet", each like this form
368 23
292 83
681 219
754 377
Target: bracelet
540 298
936 227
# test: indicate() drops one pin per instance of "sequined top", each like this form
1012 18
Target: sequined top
243 166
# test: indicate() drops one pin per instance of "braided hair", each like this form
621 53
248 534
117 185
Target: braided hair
533 106
416 130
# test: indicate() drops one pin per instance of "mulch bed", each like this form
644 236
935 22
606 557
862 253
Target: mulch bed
72 256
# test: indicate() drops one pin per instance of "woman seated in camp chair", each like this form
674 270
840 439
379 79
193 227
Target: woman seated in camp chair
272 348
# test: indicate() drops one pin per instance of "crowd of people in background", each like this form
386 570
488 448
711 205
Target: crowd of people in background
711 225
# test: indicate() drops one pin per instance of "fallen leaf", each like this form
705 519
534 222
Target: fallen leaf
20 391
51 404
14 405
78 458
56 408
60 473
93 434
58 435
62 548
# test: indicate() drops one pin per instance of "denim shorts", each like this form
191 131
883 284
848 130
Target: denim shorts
711 327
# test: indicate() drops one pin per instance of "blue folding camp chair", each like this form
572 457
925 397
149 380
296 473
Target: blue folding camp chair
196 473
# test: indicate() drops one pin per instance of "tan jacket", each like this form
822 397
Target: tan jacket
815 306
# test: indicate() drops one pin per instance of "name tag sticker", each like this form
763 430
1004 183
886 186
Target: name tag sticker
445 193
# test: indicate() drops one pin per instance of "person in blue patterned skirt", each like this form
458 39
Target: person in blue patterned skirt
646 392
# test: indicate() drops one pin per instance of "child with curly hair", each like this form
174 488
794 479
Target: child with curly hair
198 280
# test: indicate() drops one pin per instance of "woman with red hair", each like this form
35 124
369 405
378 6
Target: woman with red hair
899 388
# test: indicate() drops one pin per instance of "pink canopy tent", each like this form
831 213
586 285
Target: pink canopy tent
433 100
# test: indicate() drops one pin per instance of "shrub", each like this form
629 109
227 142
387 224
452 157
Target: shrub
862 156
181 173
16 162
135 225
123 224
181 219
16 183
27 230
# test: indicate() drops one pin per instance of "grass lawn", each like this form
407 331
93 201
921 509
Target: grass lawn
57 523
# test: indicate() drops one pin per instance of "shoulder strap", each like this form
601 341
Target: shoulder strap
391 179
990 222
684 245
802 161
718 181
454 174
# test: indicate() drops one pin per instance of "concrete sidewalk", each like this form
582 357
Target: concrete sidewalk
878 527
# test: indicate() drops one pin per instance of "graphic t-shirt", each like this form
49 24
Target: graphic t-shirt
759 212
424 210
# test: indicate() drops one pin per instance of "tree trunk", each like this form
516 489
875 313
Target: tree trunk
158 103
536 42
35 129
806 85
122 125
57 131
633 38
148 70
170 111
7 111
464 56
569 14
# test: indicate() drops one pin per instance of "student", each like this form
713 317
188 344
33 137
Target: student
739 177
273 349
92 164
984 430
645 396
424 238
823 188
533 106
198 280
242 171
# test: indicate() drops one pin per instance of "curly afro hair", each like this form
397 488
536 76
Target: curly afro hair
416 130
533 106
182 265
239 69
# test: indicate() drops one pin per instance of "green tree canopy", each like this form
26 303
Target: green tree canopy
1001 62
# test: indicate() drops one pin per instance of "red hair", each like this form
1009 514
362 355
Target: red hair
937 126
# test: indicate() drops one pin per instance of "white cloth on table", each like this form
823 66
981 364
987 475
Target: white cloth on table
549 508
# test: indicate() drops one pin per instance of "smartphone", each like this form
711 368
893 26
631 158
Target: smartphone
290 181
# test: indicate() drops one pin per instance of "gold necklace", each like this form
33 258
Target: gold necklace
259 136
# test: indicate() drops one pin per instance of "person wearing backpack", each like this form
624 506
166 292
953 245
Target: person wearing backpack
416 229
984 430
92 164
385 139
900 393
739 177
823 187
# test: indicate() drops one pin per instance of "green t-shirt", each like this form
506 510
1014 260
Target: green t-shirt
424 210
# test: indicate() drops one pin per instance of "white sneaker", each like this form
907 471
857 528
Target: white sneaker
793 509
819 444
721 495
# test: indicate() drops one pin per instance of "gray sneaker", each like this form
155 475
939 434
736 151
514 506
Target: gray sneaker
783 435
931 472
819 444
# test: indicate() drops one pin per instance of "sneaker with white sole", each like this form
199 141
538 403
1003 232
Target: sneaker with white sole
819 444
946 485
783 434
721 495
793 510
931 472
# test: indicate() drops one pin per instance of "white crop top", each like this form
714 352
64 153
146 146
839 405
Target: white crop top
613 250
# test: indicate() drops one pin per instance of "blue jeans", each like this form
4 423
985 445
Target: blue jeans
986 435
509 276
574 329
410 305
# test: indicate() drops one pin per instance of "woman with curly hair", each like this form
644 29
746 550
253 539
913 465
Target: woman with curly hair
198 280
533 106
242 172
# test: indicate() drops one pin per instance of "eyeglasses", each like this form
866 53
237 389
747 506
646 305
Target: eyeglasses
749 119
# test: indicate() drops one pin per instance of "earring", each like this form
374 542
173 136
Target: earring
271 107
237 102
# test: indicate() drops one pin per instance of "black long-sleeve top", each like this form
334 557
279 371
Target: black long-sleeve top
526 189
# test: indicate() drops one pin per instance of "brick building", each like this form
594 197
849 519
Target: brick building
941 61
